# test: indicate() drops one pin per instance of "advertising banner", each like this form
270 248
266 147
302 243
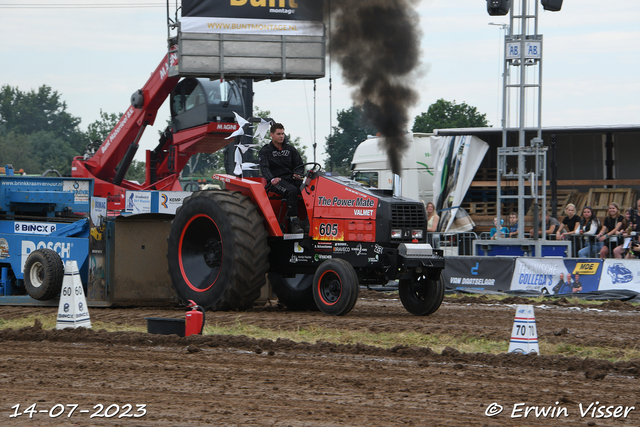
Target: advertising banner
168 201
478 273
138 201
557 276
97 285
620 274
272 17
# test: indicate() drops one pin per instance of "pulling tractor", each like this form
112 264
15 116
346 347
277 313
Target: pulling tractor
222 242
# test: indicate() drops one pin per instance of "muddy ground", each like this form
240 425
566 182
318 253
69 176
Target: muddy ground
238 381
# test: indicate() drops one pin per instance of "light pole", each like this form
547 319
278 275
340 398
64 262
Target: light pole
505 28
523 51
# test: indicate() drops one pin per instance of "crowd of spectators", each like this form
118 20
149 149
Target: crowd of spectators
614 235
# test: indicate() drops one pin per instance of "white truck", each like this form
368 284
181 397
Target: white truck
436 169
370 167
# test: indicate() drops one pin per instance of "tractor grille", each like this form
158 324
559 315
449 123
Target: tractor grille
408 216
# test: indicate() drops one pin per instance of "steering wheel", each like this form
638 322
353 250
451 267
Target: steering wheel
317 167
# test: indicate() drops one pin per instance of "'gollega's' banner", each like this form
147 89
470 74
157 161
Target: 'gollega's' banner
288 17
557 276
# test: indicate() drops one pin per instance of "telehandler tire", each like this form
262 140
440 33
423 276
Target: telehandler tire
218 253
335 287
296 293
422 294
43 274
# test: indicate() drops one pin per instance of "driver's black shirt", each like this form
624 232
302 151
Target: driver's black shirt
276 163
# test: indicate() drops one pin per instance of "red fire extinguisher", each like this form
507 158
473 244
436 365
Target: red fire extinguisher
195 320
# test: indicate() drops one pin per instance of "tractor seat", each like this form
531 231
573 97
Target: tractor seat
282 209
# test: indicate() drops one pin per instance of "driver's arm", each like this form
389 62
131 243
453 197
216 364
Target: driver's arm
297 162
263 160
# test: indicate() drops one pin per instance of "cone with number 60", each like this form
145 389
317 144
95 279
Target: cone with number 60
72 311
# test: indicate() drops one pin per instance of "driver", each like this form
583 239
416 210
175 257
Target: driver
278 160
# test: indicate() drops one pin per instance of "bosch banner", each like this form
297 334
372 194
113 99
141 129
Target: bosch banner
273 17
479 273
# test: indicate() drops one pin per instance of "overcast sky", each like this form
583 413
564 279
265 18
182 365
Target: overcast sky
97 57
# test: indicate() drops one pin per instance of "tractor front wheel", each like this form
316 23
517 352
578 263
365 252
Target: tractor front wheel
218 253
422 294
335 287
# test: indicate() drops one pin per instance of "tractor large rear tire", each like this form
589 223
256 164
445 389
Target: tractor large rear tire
296 293
43 274
218 252
422 295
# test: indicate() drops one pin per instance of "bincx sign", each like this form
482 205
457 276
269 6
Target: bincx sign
34 227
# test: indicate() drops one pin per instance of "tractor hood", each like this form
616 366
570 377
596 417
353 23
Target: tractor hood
338 197
347 210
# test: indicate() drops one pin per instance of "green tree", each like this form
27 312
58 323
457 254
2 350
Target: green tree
35 111
51 152
36 131
447 115
351 131
101 128
16 149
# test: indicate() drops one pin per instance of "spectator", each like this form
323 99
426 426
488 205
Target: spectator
625 228
504 231
432 218
513 224
629 226
577 285
570 222
610 227
589 226
551 226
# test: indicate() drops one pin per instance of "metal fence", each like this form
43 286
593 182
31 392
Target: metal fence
462 243
588 246
453 243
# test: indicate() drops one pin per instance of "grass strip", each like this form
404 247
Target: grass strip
571 299
313 334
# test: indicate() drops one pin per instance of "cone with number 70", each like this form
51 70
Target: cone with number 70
524 336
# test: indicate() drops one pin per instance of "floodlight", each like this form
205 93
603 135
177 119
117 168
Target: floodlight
498 7
552 5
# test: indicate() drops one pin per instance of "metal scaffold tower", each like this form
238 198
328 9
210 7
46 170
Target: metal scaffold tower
521 111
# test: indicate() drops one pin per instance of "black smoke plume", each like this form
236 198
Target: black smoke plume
377 44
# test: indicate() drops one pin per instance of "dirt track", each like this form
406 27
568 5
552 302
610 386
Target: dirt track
218 380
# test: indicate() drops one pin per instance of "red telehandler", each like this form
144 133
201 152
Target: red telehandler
200 126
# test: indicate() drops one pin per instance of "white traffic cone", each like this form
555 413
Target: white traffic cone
72 311
524 336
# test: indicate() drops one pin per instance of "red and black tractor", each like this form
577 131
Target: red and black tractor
222 242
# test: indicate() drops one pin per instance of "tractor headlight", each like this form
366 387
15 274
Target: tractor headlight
416 234
396 233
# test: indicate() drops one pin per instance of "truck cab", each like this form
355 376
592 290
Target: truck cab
369 166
